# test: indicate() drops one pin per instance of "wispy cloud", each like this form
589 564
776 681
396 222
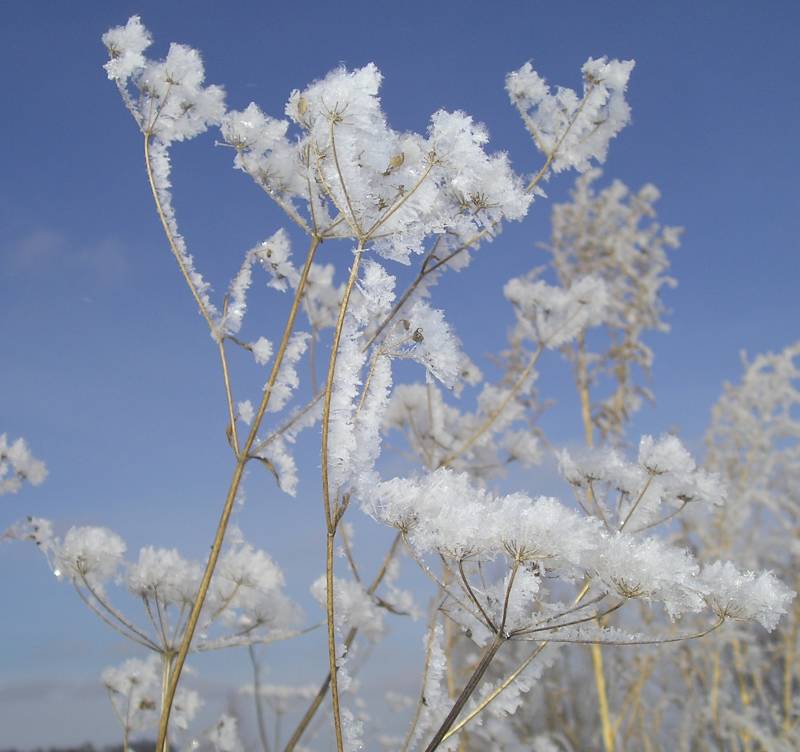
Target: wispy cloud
28 690
46 253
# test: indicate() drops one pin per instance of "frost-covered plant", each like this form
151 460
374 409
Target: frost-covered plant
18 465
737 689
280 698
753 442
607 252
245 605
135 688
613 235
512 572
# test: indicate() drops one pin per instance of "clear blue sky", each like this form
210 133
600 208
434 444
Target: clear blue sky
108 371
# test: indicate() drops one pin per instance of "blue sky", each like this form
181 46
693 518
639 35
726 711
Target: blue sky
109 372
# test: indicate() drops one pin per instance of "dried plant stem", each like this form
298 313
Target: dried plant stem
262 727
633 697
505 684
510 679
230 498
789 655
602 697
744 692
606 725
166 672
554 151
351 635
450 636
425 668
716 677
233 433
333 511
469 688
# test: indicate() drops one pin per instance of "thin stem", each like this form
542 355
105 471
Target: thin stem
426 570
162 622
356 225
514 571
331 518
166 670
262 729
114 625
468 590
300 413
638 500
606 725
573 622
407 195
151 617
234 434
505 684
351 635
665 518
424 272
514 674
552 155
426 666
789 653
119 616
233 490
631 643
328 390
348 553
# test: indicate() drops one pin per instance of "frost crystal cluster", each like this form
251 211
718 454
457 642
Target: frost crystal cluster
18 465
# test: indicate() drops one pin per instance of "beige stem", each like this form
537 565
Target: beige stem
333 516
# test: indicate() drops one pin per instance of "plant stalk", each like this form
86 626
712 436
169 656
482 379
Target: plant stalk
233 489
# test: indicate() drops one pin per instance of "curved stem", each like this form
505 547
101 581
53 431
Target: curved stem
636 503
116 627
332 516
118 615
170 237
356 225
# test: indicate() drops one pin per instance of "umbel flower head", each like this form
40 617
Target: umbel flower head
346 173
